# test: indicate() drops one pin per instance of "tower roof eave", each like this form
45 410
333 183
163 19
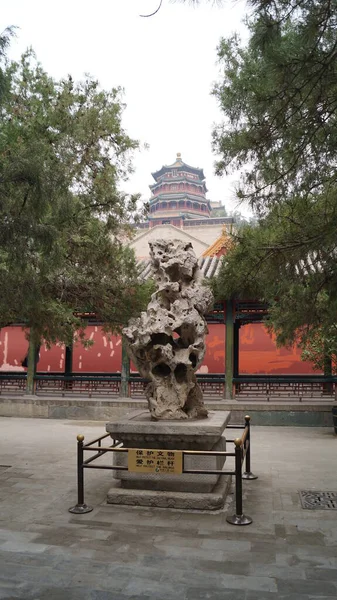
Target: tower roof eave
177 181
166 197
180 166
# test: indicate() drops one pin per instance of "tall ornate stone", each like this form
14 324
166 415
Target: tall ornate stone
167 342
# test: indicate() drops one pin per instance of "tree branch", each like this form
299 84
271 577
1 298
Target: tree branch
155 12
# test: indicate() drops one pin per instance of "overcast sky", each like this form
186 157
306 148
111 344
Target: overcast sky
166 64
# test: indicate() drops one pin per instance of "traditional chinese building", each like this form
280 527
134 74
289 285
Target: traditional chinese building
178 194
180 209
241 360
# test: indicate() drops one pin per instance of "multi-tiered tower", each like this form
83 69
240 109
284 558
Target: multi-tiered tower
179 210
178 194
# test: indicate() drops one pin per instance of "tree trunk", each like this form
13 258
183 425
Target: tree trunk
33 357
327 386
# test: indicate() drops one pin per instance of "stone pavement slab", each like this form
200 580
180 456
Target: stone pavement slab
124 553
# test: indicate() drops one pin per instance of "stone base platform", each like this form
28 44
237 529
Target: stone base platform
213 500
199 491
186 434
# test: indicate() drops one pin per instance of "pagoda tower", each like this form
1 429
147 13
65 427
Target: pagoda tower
178 194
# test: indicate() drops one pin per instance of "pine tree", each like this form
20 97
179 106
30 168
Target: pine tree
278 94
63 216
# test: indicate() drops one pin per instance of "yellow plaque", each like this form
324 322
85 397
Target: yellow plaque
155 461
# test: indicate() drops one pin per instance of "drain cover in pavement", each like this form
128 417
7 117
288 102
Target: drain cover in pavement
319 500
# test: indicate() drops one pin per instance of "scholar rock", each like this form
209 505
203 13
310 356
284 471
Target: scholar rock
167 342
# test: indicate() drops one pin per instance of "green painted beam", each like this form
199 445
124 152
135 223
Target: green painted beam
125 372
229 350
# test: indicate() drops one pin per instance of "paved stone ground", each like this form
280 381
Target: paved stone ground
124 553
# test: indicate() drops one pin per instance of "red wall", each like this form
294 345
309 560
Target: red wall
51 360
104 356
13 348
214 361
259 355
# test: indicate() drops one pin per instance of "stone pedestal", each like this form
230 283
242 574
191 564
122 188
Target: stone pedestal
199 491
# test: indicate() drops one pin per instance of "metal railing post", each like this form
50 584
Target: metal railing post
248 474
238 518
80 508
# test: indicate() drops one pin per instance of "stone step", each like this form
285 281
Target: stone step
308 412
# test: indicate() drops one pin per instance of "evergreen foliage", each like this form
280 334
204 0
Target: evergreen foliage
62 215
5 38
283 263
278 94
